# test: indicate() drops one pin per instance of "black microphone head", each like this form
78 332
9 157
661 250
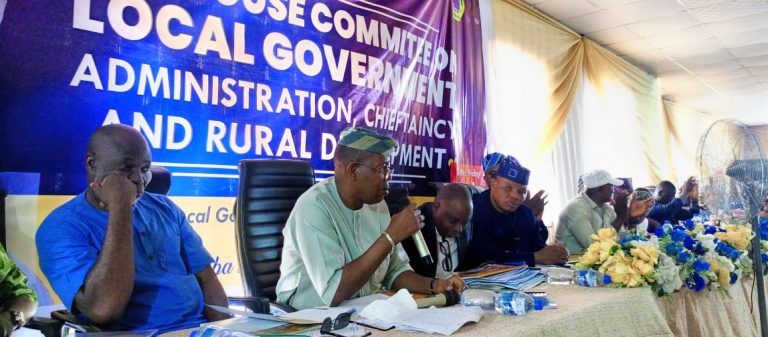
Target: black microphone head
451 297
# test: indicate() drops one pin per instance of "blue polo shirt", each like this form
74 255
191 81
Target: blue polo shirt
503 237
168 253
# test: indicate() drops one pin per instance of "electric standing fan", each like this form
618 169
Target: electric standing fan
733 174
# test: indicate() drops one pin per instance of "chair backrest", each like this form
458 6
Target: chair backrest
266 195
161 180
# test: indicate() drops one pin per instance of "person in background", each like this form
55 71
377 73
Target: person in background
504 229
590 211
122 258
674 209
340 241
446 232
536 202
18 301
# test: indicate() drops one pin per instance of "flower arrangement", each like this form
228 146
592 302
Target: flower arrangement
698 256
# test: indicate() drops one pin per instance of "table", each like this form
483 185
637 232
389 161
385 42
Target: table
582 311
614 312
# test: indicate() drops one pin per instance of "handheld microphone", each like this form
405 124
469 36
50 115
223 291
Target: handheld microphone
444 299
421 246
398 205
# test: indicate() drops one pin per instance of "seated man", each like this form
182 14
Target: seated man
340 241
669 208
445 222
536 202
18 301
504 229
590 211
122 258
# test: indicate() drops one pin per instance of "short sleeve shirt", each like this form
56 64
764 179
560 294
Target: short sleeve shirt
321 236
167 254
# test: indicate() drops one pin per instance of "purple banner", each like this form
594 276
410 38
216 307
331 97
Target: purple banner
212 82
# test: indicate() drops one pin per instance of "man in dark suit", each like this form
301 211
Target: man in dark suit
445 232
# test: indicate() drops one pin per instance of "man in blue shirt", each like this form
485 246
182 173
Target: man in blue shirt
122 258
504 229
674 209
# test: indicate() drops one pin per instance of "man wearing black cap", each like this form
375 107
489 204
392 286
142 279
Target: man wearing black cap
505 229
340 241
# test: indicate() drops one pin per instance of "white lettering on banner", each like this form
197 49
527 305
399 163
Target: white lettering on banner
257 139
418 156
422 84
403 122
207 89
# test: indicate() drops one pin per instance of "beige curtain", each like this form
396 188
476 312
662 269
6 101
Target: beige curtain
566 58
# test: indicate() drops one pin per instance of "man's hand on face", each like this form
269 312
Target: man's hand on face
536 203
639 208
405 223
115 189
551 254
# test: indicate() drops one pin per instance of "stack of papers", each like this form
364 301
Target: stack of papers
517 278
401 311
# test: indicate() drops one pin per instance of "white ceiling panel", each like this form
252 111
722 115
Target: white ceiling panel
566 9
613 35
629 47
644 10
754 61
726 10
589 23
740 25
692 35
606 4
759 49
717 57
744 39
663 25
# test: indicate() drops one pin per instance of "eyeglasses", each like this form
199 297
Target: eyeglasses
341 322
445 249
385 172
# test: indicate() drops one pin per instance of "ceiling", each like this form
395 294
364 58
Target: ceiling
710 55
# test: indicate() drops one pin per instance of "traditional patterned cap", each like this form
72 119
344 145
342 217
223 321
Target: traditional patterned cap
491 160
367 140
511 169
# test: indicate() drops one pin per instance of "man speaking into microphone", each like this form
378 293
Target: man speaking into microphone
340 241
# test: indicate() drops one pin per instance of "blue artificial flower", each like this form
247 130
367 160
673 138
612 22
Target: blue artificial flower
673 248
763 229
689 242
734 277
700 265
678 235
684 257
699 282
659 232
710 230
678 228
689 224
765 257
699 249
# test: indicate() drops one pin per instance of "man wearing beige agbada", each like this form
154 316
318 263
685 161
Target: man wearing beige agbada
340 241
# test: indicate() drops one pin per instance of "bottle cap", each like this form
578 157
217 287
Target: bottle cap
538 303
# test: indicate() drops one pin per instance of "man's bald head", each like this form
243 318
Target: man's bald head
118 147
452 209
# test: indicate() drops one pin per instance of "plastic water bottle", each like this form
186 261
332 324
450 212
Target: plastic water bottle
514 303
485 299
592 278
667 226
217 331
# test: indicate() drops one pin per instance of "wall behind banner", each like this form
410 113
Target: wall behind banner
210 83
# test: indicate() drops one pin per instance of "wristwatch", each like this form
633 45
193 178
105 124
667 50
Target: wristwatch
17 319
